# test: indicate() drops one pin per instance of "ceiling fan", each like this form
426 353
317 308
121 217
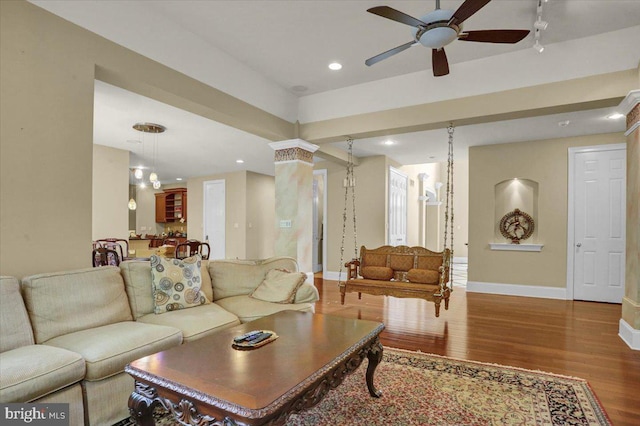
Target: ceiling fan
439 28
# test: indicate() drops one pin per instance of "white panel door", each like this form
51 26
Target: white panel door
214 217
397 207
599 224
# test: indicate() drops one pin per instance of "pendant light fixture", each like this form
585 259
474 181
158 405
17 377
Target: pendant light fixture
132 201
155 129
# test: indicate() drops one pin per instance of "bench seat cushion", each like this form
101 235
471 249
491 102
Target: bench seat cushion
195 323
107 349
33 371
388 287
249 309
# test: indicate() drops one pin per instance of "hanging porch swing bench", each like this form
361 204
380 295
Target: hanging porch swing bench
400 271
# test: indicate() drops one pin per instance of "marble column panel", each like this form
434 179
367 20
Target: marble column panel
294 202
630 321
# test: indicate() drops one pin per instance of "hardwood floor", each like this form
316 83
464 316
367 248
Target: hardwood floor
571 338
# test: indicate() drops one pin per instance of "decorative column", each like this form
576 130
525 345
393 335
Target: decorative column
294 201
629 329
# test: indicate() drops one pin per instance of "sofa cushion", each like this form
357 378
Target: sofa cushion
176 283
423 276
137 279
15 327
66 302
279 286
30 372
377 273
107 349
241 277
195 323
401 262
249 309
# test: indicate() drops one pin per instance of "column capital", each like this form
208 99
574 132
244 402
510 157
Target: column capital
629 107
294 150
629 102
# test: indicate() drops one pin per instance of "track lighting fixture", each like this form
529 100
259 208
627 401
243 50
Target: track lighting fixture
538 46
540 24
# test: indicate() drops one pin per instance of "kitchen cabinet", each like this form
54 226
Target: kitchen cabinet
171 205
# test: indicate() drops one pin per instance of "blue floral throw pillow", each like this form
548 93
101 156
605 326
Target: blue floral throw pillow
176 283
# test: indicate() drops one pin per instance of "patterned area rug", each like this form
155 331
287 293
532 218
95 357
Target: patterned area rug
424 389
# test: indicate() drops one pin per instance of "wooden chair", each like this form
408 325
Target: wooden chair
169 242
118 244
103 256
191 247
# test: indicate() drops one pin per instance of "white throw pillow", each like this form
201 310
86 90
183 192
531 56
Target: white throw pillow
279 286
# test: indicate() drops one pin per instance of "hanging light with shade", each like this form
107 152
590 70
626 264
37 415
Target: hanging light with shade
132 201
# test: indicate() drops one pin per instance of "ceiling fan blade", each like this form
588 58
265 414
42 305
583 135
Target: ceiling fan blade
468 8
388 53
494 36
439 62
396 15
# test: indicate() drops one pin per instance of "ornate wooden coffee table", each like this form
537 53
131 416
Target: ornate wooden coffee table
207 382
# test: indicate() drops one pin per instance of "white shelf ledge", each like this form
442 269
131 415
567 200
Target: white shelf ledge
516 247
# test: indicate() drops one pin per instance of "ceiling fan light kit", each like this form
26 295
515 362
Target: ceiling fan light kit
439 28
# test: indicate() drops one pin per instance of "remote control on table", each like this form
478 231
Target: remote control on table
247 336
259 338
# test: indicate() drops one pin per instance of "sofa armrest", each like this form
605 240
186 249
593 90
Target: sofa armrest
307 293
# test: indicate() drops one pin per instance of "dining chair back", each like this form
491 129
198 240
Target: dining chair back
191 247
103 256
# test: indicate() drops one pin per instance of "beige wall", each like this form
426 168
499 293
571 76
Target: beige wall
146 211
46 111
545 162
261 205
371 203
47 72
250 213
110 194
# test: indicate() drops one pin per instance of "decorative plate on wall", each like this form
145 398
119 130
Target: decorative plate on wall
516 226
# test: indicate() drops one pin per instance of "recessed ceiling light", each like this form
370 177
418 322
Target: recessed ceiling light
239 161
389 142
335 66
564 123
178 178
615 116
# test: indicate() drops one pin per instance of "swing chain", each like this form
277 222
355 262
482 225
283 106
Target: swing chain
448 212
350 183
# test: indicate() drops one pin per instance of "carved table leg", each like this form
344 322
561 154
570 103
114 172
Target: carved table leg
375 356
141 404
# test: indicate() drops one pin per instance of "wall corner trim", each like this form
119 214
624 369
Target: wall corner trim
629 335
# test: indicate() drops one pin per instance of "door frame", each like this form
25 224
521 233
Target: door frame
573 151
323 173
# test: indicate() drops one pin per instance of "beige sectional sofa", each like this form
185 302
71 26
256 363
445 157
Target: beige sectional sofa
82 327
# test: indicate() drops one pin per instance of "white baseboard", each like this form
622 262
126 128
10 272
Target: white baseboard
629 335
333 275
517 290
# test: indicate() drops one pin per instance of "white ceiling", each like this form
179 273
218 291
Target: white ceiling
283 44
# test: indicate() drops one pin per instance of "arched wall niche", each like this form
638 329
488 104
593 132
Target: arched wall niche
516 193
